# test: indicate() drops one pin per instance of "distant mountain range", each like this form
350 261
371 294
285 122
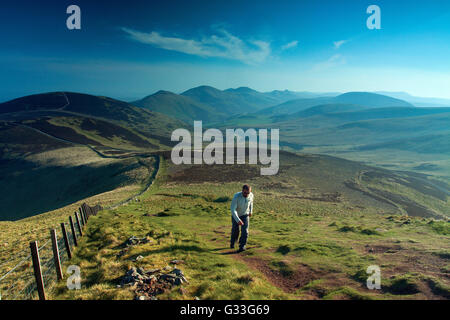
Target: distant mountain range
361 99
418 101
106 139
211 105
350 121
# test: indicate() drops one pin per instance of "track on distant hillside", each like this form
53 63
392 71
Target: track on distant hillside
151 179
81 144
149 184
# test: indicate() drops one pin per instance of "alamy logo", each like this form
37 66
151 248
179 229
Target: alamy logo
374 279
374 21
213 153
73 22
74 281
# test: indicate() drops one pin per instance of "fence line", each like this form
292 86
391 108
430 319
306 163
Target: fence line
15 267
42 269
17 257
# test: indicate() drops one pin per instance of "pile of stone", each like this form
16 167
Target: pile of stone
147 284
132 241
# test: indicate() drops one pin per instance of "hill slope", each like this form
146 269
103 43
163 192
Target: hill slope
71 111
306 241
372 100
363 99
58 148
239 100
180 107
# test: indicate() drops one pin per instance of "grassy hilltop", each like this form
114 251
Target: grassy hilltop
59 148
317 225
307 240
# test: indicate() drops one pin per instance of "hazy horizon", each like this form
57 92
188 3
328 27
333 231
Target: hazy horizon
130 98
315 46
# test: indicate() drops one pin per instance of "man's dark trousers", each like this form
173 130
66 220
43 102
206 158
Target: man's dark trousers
244 231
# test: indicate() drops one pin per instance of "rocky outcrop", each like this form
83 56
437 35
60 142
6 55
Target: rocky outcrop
147 284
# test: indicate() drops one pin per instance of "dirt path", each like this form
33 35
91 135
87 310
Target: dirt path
288 281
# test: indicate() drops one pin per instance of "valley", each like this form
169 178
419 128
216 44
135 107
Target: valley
307 241
363 180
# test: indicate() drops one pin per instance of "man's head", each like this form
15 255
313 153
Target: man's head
246 189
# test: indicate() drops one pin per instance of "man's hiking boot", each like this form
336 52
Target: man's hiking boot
241 249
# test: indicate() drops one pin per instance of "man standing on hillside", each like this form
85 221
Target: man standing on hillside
241 211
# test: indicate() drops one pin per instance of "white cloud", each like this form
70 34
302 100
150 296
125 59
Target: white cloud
338 44
289 45
224 45
333 61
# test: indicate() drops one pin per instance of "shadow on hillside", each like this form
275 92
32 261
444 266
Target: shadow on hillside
231 251
30 190
175 248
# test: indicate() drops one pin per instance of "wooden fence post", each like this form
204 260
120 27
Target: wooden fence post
72 226
37 269
83 223
83 215
66 240
59 274
78 223
86 217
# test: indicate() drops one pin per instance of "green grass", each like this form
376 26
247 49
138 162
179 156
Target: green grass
305 242
317 225
403 284
211 275
185 221
50 180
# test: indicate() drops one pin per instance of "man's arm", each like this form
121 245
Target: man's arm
234 213
251 208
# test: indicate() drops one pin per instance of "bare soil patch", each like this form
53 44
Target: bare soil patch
301 274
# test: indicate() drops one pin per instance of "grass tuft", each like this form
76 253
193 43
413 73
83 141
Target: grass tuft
284 249
405 284
247 279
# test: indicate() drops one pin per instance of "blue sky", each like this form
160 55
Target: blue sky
129 49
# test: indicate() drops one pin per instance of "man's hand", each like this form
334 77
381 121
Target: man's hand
250 214
240 222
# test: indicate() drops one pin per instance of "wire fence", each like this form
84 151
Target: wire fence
21 281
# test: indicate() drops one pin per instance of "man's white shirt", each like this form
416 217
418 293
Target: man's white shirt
241 205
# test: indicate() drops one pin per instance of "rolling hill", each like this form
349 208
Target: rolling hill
217 99
323 109
58 148
42 123
317 224
240 100
335 114
315 229
212 105
400 136
286 95
181 107
250 98
418 101
371 100
427 144
67 113
358 128
364 99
